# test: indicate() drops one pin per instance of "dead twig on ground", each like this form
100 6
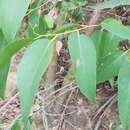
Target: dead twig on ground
64 111
107 105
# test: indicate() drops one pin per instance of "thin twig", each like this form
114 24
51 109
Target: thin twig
58 114
68 32
111 102
44 118
97 126
64 111
58 90
59 96
5 105
104 106
68 122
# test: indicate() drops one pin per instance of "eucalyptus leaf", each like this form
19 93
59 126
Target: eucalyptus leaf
83 55
7 52
124 94
36 23
109 68
3 78
31 68
116 28
3 70
16 125
109 56
11 15
49 20
106 43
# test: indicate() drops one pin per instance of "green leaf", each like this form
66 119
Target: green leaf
110 66
109 57
34 11
33 65
16 125
116 28
83 55
11 15
4 69
28 126
106 43
42 28
124 94
49 20
3 42
7 52
35 20
3 78
112 4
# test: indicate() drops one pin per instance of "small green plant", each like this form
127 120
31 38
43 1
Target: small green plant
95 58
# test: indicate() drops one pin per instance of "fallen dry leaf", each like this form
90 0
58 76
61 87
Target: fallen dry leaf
59 45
